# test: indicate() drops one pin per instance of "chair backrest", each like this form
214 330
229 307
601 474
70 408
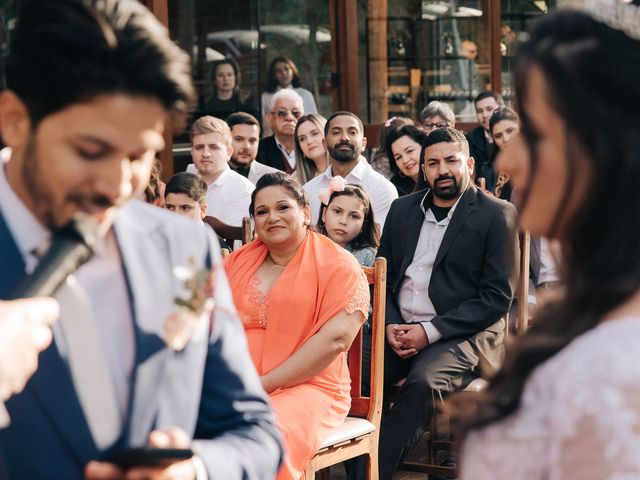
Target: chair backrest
229 233
371 406
246 230
523 284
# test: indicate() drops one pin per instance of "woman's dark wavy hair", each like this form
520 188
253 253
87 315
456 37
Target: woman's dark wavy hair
280 179
369 236
592 75
272 81
236 73
414 133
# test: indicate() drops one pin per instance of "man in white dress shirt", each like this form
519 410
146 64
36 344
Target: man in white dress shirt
344 134
229 193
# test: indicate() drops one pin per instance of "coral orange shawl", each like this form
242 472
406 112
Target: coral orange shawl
317 284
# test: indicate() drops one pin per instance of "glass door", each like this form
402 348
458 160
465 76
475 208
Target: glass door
249 34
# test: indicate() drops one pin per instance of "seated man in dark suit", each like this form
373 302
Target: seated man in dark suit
122 371
278 150
451 253
481 146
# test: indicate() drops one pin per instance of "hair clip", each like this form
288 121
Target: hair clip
387 124
337 184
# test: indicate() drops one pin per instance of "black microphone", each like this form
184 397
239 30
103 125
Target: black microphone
71 246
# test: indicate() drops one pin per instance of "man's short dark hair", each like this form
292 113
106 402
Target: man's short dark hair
242 118
70 51
489 94
188 183
342 114
446 135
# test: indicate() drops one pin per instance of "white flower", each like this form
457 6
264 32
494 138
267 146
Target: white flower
191 320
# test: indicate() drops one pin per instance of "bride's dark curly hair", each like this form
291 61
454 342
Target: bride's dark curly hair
593 77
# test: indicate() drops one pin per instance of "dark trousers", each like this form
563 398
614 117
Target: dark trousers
434 372
439 369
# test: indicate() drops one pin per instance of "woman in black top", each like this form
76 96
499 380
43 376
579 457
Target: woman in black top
225 97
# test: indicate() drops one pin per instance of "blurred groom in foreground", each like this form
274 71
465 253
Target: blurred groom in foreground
91 85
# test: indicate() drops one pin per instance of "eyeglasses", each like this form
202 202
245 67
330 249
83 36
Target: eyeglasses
282 113
433 126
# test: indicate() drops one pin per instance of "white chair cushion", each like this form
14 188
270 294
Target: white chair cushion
477 385
351 428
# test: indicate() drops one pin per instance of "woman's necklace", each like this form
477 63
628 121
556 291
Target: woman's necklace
274 263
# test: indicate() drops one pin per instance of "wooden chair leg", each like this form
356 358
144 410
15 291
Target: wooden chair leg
310 471
432 453
372 464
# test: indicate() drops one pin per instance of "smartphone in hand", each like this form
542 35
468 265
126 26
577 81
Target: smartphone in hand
149 457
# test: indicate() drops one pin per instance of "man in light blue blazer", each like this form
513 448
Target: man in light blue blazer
90 85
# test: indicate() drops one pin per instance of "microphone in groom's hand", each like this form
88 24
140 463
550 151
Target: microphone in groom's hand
71 246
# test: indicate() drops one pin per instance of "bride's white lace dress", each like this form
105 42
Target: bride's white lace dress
579 417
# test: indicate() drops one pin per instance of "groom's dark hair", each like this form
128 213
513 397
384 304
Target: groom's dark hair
70 51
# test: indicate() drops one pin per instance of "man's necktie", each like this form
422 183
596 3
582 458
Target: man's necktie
88 364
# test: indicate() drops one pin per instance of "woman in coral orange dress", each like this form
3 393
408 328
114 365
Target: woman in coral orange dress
302 299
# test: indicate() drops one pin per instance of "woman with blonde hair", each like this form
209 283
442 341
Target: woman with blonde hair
311 149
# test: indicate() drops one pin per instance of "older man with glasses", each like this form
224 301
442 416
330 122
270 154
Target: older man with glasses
278 150
436 115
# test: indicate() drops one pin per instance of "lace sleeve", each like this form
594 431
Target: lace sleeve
603 444
360 300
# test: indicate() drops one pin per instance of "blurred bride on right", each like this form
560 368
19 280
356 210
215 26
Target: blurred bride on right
566 404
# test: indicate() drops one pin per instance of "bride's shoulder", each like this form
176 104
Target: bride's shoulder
609 343
605 356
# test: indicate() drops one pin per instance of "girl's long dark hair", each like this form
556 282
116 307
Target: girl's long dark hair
592 74
369 236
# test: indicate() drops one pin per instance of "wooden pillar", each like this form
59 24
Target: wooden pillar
494 43
378 60
343 19
160 9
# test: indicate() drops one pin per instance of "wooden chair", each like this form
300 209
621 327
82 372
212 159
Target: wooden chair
359 434
229 233
438 441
